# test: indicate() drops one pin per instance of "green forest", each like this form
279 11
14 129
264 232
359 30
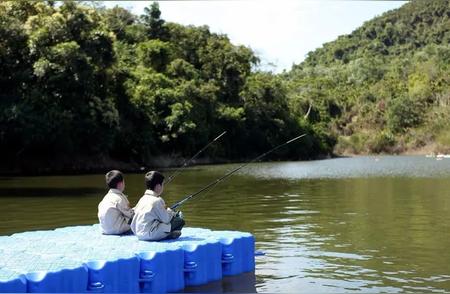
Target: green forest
384 88
85 88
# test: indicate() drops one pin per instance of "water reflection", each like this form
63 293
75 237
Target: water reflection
243 283
49 192
362 233
342 225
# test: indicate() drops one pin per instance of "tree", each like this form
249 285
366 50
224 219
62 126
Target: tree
404 113
155 54
118 20
153 22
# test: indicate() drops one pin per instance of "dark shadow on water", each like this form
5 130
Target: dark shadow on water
243 283
50 192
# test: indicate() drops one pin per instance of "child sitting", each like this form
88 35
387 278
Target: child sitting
152 220
114 212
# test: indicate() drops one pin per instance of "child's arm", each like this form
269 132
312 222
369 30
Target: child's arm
125 209
164 215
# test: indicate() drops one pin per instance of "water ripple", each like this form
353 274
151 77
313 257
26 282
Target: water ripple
355 167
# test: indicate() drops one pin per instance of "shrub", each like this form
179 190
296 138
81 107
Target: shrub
403 113
381 142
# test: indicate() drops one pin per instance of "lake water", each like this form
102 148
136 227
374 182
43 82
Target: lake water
362 224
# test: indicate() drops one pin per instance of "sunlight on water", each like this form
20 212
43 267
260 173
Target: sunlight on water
364 166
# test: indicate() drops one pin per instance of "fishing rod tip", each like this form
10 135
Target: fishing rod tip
296 138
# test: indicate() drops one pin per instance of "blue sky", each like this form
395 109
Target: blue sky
280 32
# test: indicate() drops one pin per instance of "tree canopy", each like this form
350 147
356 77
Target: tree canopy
88 82
82 83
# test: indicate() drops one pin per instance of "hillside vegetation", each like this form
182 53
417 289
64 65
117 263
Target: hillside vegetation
87 88
383 88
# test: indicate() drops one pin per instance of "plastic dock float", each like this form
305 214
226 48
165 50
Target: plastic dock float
81 259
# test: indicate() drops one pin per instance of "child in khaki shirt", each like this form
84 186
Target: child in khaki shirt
114 212
152 220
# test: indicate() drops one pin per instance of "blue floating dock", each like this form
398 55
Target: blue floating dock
81 259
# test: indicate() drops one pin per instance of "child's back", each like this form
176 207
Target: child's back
152 220
114 212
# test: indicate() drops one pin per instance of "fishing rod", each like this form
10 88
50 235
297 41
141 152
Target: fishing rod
176 205
186 163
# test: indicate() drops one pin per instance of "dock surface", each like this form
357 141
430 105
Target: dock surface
82 259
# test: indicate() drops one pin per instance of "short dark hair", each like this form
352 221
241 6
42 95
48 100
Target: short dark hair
113 178
153 178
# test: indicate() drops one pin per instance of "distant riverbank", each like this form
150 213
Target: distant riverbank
69 165
427 150
101 164
91 165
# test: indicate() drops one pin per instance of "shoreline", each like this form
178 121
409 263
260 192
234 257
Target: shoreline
101 164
